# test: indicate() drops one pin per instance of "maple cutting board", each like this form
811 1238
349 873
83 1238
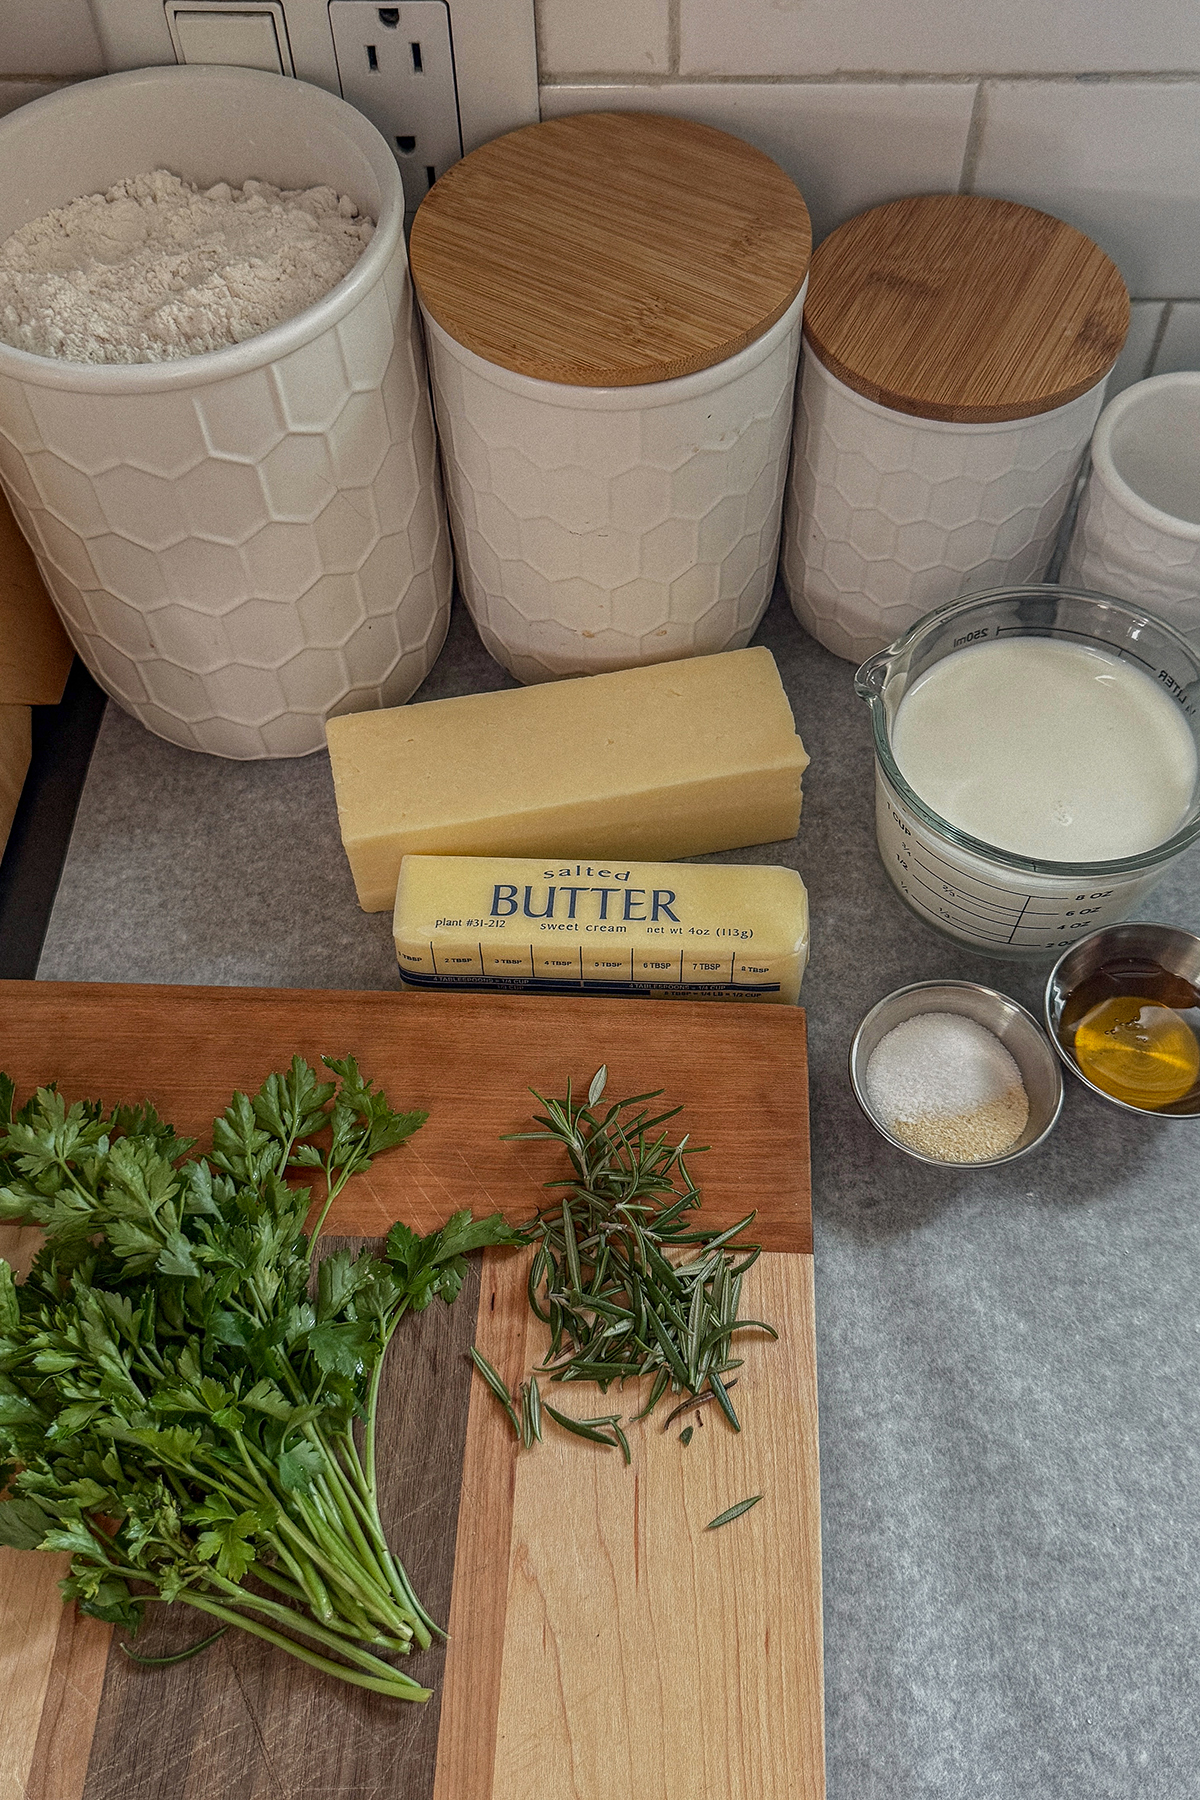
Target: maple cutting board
603 1644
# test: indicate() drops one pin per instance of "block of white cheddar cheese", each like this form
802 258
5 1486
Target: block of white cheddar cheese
677 759
688 931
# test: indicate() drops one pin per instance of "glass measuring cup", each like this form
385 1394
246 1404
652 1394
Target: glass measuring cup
999 903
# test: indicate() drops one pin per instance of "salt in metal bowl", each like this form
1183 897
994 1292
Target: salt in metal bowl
1176 951
1017 1030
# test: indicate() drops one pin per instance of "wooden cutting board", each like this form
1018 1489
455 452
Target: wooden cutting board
602 1643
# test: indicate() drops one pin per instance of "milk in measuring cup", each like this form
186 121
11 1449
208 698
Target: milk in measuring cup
1049 749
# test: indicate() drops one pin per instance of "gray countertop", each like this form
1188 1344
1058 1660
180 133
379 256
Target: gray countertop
1010 1410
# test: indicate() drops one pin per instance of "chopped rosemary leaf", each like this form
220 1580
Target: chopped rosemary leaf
579 1427
735 1512
685 1436
498 1386
694 1400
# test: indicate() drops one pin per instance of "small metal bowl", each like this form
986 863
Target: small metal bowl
1017 1030
1176 951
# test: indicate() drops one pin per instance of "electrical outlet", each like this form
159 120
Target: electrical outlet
489 45
396 64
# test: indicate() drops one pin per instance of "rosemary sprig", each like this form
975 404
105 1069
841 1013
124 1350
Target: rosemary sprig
625 1286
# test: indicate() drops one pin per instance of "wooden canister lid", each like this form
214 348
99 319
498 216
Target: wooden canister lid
610 249
958 307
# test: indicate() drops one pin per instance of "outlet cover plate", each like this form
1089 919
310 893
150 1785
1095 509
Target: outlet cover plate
396 65
495 57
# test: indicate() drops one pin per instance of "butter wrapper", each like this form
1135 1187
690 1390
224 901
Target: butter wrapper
683 931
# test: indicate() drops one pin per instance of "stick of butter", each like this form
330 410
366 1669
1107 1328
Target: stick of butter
672 760
686 931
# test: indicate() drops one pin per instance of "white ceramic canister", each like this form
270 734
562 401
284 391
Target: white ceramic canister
955 355
602 521
887 515
598 528
244 542
1137 531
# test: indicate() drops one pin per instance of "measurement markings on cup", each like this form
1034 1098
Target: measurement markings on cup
957 899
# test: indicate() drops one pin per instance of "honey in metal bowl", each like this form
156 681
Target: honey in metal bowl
1133 1027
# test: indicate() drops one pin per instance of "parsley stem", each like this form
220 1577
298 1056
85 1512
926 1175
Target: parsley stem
333 1188
386 1681
373 1400
282 1585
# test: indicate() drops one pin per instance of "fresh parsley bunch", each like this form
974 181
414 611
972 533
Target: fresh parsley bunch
177 1404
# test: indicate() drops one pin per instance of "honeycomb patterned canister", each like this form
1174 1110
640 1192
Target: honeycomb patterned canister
244 542
955 354
612 305
1137 531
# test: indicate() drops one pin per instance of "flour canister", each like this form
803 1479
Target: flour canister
612 305
244 542
955 354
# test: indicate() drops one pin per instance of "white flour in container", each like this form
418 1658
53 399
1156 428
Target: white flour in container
155 269
946 1086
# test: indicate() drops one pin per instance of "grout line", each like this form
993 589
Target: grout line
839 77
1159 334
975 126
864 77
539 45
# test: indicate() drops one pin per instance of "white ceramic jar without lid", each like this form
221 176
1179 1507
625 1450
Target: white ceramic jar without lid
1137 532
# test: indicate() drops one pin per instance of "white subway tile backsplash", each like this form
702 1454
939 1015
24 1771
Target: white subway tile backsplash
846 146
48 37
622 37
17 93
1115 153
1120 159
1133 364
847 37
1180 347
